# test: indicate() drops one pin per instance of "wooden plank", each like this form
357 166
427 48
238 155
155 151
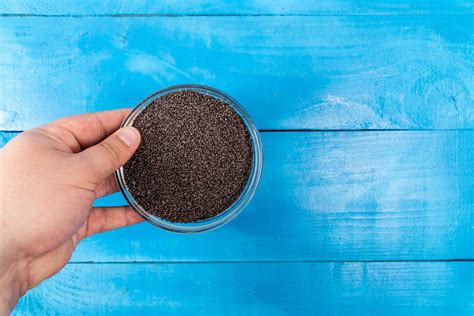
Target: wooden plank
290 72
332 196
395 288
231 7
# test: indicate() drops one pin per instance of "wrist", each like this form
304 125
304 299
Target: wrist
11 285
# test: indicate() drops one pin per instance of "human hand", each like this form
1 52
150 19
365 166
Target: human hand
49 178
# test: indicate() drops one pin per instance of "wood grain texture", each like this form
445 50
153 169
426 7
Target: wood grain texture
331 196
343 222
398 288
290 72
50 7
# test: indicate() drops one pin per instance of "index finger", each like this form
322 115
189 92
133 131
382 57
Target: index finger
85 130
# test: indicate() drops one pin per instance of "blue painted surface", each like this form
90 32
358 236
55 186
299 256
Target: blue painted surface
411 199
344 222
298 288
244 7
290 72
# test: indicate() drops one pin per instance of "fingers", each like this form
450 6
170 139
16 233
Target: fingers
102 219
82 131
100 161
106 187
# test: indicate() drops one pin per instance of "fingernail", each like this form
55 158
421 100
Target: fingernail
129 135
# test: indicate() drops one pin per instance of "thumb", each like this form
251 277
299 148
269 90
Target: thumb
107 156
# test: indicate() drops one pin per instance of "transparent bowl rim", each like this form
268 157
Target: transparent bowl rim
239 204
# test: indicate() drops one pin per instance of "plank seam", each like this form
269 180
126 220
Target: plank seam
304 130
270 261
180 15
367 130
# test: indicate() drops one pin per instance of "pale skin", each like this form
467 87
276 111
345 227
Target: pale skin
49 178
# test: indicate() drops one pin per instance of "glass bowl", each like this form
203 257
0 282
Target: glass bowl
238 205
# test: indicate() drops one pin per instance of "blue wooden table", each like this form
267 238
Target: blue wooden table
366 111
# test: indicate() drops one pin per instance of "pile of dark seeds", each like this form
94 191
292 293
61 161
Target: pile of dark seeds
194 159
